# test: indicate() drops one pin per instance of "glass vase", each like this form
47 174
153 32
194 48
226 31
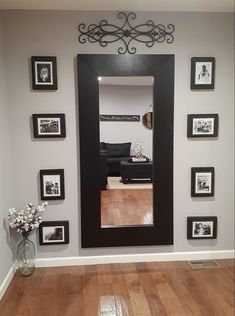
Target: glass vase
25 256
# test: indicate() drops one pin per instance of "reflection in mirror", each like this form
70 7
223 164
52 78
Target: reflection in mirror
125 151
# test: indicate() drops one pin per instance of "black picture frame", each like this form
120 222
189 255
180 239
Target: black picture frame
49 125
202 73
202 227
202 181
52 184
44 73
202 125
54 233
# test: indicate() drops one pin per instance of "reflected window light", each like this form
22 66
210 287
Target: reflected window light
99 78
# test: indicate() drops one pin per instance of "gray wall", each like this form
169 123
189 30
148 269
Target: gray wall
29 33
6 189
126 100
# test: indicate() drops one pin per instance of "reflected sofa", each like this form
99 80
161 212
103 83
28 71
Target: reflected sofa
115 153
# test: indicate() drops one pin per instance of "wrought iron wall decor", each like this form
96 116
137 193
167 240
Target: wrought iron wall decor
105 33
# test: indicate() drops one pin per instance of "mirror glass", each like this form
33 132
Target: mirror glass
126 146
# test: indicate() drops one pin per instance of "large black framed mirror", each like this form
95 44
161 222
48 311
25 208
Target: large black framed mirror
161 69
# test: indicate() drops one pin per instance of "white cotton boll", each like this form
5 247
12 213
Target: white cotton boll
26 220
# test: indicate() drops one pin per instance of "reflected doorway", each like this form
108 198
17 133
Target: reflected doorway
126 147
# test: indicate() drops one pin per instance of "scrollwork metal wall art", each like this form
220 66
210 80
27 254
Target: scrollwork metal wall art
105 33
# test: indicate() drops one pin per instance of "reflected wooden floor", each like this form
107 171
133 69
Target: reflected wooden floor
126 207
141 289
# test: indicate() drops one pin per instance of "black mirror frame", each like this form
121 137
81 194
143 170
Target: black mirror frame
161 67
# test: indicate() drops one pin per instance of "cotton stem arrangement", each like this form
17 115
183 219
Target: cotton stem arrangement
26 220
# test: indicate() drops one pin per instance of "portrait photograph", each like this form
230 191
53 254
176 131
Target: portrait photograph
202 72
201 227
202 181
54 232
202 125
44 72
49 125
52 184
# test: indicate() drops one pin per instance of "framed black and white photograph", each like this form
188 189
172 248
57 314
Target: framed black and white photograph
54 232
202 181
203 227
49 125
202 72
44 73
52 184
202 125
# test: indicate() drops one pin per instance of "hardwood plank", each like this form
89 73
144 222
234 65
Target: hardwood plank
121 292
90 295
152 295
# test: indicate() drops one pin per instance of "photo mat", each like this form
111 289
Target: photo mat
51 185
202 229
43 73
203 72
203 182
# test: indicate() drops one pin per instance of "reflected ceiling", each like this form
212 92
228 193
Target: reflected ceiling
126 81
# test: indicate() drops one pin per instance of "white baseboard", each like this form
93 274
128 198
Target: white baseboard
174 256
6 282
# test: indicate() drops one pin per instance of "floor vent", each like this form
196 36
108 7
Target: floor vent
204 264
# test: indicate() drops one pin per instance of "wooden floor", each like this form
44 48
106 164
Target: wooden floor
142 289
126 207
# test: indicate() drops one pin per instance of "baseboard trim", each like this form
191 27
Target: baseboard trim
6 282
174 256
